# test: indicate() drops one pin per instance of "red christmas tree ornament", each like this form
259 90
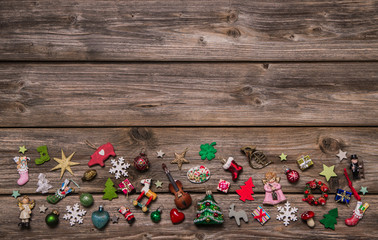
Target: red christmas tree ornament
292 175
141 162
231 166
102 153
246 191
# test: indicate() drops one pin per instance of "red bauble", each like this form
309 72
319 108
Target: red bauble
207 204
141 162
292 175
215 214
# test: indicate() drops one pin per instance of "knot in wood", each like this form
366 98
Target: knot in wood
329 145
232 16
234 32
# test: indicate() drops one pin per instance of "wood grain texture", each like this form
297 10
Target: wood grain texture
188 30
144 228
189 94
321 144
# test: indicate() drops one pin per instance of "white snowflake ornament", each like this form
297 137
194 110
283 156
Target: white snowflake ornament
287 213
43 184
74 214
119 168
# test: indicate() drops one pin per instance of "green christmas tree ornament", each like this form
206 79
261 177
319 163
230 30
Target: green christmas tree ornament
52 219
208 211
42 150
110 190
86 199
156 216
329 219
208 151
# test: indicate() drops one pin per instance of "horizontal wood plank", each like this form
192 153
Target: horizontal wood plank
321 144
144 228
189 94
194 30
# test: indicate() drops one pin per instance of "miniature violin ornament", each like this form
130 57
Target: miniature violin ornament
182 199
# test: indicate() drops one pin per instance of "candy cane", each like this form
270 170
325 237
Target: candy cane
355 194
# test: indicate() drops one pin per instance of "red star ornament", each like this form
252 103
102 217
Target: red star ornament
246 191
102 153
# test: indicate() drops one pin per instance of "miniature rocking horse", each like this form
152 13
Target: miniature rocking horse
145 192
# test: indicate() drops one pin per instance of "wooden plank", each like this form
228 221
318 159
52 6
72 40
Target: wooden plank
188 94
321 144
144 228
189 30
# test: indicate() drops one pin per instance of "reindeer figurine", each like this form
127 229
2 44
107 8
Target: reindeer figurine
237 215
145 192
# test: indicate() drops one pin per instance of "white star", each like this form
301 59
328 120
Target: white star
341 155
160 154
42 209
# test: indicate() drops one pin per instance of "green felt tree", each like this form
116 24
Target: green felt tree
329 219
110 190
208 211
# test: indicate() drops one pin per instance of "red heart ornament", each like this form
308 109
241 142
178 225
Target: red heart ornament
176 216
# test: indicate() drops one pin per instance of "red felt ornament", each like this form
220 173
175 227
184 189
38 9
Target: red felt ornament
102 153
246 191
231 166
141 162
292 175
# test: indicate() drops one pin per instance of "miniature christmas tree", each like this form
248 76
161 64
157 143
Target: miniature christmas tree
110 190
329 219
246 191
208 211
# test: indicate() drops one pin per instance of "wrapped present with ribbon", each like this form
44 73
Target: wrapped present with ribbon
223 185
304 162
260 215
342 196
126 187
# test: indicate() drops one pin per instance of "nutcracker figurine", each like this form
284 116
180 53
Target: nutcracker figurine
25 205
357 167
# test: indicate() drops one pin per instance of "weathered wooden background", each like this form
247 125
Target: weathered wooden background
299 77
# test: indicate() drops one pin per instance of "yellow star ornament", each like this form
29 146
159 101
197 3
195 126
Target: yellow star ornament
328 172
64 164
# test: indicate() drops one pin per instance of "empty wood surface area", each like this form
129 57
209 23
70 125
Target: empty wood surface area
293 77
189 30
189 94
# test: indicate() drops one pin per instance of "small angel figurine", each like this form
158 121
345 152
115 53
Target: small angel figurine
273 192
25 205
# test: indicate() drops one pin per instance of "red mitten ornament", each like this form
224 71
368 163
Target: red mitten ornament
231 166
141 162
246 191
102 153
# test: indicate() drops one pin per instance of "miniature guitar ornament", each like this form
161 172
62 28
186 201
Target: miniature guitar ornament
182 199
102 153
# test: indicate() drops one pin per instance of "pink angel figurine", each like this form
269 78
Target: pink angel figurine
273 192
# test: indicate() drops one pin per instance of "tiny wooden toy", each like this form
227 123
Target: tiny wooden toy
357 167
358 213
26 205
308 217
260 215
273 192
256 159
126 212
309 197
237 215
146 191
22 169
183 199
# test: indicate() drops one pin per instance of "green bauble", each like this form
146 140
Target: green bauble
156 216
86 199
52 219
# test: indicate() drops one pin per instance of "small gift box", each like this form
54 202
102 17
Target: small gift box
304 162
260 215
223 185
126 187
342 196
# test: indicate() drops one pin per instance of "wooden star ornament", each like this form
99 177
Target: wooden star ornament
64 164
328 172
341 155
180 159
